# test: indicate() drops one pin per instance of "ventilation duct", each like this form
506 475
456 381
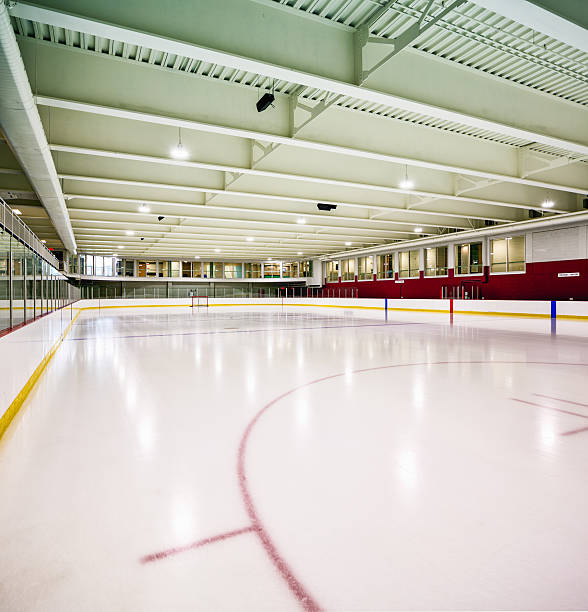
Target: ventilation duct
21 124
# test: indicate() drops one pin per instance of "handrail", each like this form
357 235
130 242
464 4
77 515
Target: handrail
20 230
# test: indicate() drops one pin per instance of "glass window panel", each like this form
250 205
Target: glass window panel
348 269
98 265
475 258
186 269
108 266
4 282
252 270
271 269
90 265
175 269
196 269
516 254
233 270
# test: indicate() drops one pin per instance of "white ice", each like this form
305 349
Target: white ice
429 470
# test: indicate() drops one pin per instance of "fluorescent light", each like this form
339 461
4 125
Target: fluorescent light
300 253
144 208
250 238
406 184
120 246
418 230
348 244
548 203
179 152
130 233
196 256
217 250
301 220
16 211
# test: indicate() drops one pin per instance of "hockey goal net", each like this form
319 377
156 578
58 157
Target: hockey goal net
199 301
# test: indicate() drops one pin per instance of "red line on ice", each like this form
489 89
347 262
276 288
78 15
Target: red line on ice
180 549
574 431
559 399
549 407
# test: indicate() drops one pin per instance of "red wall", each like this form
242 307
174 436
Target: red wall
539 282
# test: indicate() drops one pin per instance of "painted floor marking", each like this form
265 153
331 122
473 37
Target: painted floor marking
296 587
158 556
559 399
243 331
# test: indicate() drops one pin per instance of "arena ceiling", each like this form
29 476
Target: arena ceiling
413 117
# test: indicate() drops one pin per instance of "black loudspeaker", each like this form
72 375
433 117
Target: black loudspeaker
326 207
534 214
585 203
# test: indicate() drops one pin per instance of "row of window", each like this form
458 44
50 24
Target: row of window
506 255
97 265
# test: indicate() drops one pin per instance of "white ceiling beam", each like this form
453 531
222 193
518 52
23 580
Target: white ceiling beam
264 196
538 18
273 175
293 142
228 220
177 47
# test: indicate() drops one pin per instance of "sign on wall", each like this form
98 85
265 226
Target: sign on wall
566 274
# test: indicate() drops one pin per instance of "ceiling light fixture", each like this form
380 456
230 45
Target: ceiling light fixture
44 241
16 211
348 244
250 238
406 183
120 246
130 233
115 254
418 230
179 152
217 250
144 208
301 220
549 203
300 253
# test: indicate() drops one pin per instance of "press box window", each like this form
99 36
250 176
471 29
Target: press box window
507 254
408 264
468 258
436 261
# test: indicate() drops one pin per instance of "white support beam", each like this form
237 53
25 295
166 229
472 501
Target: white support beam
278 197
538 18
273 70
240 171
293 142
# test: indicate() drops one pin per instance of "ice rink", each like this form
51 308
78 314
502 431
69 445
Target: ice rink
287 459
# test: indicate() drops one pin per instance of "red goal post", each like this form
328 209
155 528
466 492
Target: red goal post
199 301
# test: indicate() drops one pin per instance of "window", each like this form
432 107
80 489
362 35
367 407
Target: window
216 269
186 269
348 270
290 269
408 264
90 265
120 267
252 270
305 269
332 271
386 266
271 270
129 267
468 258
507 254
233 270
436 261
196 269
146 268
206 269
82 264
108 266
365 268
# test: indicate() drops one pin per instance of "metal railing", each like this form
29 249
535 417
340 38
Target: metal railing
19 229
163 292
